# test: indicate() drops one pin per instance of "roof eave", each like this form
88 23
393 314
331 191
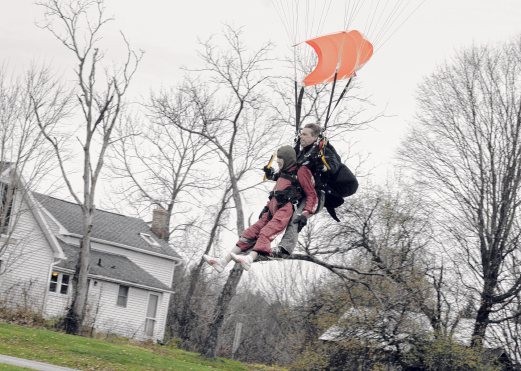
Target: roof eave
115 280
133 248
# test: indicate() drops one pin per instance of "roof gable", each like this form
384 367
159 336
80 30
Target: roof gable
107 226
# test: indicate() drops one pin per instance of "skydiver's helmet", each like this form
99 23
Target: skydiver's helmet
288 155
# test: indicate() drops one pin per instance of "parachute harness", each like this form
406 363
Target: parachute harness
292 194
321 144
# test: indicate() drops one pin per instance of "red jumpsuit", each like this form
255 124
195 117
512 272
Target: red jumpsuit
272 223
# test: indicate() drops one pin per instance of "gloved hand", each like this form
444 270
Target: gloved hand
269 172
265 209
301 220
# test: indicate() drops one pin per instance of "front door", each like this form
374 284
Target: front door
150 320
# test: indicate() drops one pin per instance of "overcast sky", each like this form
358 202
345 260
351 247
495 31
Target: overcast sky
168 32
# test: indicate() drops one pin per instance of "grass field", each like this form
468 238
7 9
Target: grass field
11 368
95 354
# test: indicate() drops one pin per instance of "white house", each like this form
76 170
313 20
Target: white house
131 268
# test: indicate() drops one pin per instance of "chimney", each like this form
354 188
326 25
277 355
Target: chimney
160 223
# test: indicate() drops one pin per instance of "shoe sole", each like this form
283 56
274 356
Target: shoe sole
236 258
215 265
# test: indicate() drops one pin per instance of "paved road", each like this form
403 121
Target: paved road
35 365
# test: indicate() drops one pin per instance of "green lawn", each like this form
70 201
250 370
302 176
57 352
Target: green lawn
94 354
11 368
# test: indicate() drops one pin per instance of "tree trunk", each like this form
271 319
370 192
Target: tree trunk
230 287
75 314
482 316
480 327
186 317
227 293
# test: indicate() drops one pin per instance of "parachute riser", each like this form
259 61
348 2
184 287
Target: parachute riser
330 100
298 107
340 97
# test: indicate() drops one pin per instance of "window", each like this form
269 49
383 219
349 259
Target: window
122 296
59 283
6 202
149 239
65 284
150 320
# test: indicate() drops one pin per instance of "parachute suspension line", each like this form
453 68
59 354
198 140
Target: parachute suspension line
330 101
351 10
315 20
382 18
388 21
403 21
325 11
284 18
296 21
302 19
371 20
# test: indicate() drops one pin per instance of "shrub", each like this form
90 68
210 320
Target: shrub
444 354
21 316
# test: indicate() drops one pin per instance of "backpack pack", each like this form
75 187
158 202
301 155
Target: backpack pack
334 186
343 182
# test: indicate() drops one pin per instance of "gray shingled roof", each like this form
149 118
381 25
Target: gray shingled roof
107 226
112 266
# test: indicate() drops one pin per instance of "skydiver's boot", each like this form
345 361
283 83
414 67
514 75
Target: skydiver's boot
245 260
220 263
214 262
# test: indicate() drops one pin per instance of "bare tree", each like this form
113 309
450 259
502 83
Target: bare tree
380 253
78 25
466 152
231 103
163 165
384 235
24 155
167 166
186 317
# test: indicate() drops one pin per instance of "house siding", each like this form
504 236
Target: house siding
56 304
26 282
104 315
26 261
159 267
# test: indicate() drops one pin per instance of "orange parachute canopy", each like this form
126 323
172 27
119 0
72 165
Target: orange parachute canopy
342 53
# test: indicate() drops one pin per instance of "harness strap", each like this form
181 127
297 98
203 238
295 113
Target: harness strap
290 176
322 155
292 194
